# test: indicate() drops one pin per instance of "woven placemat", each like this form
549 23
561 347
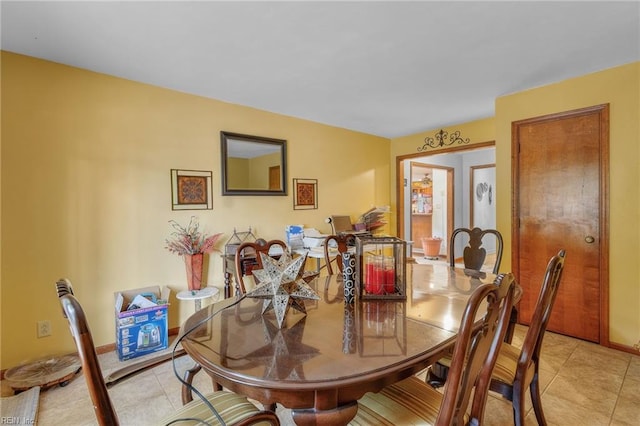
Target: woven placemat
20 409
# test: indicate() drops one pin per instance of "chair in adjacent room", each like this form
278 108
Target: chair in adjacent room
474 254
334 246
516 369
248 258
221 407
412 401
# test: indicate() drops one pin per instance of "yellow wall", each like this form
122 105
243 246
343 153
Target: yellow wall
237 173
259 170
620 87
86 194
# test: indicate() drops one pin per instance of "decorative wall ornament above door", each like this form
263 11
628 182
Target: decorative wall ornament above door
443 138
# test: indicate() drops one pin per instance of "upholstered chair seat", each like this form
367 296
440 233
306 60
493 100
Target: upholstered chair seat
233 409
408 402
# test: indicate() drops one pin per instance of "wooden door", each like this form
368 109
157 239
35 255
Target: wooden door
274 178
560 181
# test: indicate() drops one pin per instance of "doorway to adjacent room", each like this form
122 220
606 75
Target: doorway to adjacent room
434 194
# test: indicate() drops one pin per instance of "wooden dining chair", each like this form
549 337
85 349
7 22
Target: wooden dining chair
412 401
518 369
248 258
332 243
221 407
474 254
473 257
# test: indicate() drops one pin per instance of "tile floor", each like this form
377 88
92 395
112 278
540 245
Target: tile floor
583 383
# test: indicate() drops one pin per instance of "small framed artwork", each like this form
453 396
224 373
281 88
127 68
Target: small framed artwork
483 193
305 194
191 190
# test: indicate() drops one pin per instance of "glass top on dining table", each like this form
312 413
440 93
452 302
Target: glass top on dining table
334 340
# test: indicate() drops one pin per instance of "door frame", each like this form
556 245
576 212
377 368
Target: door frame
603 221
400 178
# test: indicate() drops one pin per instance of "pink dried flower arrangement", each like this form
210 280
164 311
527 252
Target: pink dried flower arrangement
190 240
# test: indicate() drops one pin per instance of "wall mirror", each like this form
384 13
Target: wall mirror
253 165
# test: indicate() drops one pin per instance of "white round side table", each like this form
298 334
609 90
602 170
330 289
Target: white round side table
198 295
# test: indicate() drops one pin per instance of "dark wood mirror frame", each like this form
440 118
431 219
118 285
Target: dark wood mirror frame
270 153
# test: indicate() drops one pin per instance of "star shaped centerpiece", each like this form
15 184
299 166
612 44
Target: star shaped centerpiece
281 285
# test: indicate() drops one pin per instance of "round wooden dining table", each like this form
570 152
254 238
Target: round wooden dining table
320 363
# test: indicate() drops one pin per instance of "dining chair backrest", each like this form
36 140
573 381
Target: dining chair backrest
252 250
532 343
334 246
517 369
102 405
476 350
474 254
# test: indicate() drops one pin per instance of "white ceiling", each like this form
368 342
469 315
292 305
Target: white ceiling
383 68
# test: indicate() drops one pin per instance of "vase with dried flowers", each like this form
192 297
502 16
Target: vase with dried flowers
192 244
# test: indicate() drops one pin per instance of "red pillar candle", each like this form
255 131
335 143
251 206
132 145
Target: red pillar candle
390 281
389 275
378 282
370 275
379 274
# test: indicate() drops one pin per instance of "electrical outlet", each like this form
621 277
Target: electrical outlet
44 328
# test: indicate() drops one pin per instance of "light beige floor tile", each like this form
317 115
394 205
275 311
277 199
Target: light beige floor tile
631 389
173 386
127 392
591 367
147 410
581 392
498 412
627 410
598 356
634 367
519 333
562 412
545 376
69 405
590 377
556 351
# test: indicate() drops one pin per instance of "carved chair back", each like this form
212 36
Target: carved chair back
248 258
526 371
340 242
476 351
474 254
